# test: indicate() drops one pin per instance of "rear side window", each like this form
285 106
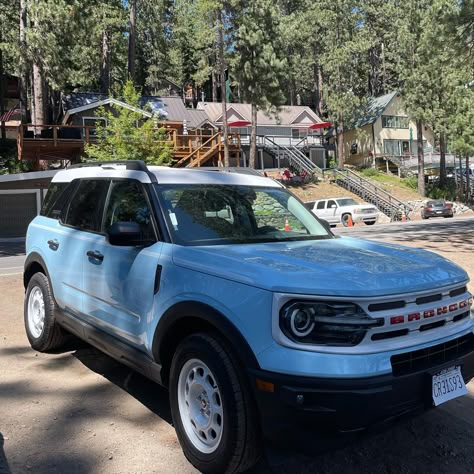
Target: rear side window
55 200
86 205
321 205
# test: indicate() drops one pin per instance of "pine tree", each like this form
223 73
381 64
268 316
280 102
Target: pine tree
258 63
122 139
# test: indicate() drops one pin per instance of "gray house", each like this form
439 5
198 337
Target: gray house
289 129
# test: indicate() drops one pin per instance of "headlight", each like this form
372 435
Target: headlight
325 323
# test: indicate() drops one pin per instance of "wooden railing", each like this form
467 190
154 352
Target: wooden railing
190 149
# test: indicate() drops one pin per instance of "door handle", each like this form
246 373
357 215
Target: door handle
53 243
95 255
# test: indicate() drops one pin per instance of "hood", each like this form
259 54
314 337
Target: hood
336 267
363 206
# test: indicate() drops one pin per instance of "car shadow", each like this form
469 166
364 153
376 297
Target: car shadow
4 468
149 393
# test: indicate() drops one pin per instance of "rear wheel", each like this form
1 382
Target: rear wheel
41 327
345 219
212 409
369 222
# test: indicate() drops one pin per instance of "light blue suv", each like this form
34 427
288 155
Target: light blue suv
224 288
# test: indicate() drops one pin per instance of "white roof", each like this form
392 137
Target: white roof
165 175
100 103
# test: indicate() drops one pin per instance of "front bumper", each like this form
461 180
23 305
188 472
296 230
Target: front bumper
365 217
304 405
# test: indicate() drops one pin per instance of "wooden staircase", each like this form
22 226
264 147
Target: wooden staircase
210 149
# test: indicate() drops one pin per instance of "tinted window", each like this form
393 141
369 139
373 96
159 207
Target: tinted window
321 205
128 203
85 208
55 199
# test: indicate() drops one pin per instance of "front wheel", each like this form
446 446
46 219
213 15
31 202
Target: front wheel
41 327
213 412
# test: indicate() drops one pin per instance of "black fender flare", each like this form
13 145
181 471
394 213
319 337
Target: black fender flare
32 259
190 316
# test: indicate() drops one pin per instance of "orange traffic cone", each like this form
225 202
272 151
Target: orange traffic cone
349 221
404 218
287 224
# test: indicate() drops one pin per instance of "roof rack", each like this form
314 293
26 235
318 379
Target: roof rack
230 169
132 165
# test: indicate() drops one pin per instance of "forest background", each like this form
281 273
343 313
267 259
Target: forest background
332 55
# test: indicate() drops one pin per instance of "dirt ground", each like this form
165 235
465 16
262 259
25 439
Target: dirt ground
80 411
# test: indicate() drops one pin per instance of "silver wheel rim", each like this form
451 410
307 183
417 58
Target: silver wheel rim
200 406
36 312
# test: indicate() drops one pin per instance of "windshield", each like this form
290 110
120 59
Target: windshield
347 202
218 214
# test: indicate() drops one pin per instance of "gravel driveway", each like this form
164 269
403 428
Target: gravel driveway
80 411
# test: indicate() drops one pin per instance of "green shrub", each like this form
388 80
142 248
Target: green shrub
370 172
411 182
446 192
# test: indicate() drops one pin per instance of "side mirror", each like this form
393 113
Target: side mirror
126 234
333 206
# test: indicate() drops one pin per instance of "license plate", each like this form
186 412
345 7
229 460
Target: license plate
448 384
439 212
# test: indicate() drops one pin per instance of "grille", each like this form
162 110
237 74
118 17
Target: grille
414 361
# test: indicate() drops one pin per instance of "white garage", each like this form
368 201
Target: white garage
21 196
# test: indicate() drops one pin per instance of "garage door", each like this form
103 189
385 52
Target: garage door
16 212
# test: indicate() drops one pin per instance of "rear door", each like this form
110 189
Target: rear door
81 221
120 281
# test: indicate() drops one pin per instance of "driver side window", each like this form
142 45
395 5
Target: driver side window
128 203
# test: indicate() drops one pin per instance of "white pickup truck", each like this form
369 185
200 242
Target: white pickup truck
339 210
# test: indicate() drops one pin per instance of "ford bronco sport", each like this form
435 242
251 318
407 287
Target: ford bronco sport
224 288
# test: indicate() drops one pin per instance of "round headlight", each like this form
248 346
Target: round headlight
301 322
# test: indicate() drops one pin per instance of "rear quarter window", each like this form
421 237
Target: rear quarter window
87 204
56 198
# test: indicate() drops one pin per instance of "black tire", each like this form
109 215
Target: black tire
345 220
370 223
51 336
424 217
239 443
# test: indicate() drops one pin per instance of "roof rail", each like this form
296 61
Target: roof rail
132 165
230 169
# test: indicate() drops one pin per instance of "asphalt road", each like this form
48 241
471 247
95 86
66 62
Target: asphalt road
80 411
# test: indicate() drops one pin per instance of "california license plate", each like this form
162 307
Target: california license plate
448 384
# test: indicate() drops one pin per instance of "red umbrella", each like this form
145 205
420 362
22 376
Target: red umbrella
239 123
317 126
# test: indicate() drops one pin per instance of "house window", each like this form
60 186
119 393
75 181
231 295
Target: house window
92 122
394 121
299 132
401 147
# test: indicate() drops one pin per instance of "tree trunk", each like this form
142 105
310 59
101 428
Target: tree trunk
253 138
38 96
468 182
132 39
340 143
442 159
2 92
421 158
225 127
105 66
461 180
320 91
23 63
214 86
